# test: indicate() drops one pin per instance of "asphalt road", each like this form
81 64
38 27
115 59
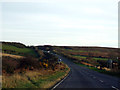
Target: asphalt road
82 77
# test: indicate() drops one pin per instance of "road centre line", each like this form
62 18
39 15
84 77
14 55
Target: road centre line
100 80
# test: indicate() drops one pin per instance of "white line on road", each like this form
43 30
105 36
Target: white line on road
100 80
59 82
115 88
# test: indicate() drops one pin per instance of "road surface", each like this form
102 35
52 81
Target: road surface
82 77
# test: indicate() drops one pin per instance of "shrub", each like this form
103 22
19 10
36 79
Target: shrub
27 63
9 65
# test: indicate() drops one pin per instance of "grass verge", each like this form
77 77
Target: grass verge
116 74
34 79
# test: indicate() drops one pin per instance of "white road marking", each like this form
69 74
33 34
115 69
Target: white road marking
115 88
100 80
59 83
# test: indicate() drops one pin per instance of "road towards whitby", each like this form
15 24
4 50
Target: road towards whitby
82 77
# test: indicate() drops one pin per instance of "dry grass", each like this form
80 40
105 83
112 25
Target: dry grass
107 69
34 79
13 56
86 63
0 78
52 83
17 80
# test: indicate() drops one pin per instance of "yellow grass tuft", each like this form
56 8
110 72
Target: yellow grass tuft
13 56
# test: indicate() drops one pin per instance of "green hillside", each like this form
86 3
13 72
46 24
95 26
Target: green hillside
17 50
34 68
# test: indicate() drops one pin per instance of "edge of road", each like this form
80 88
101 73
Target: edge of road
58 83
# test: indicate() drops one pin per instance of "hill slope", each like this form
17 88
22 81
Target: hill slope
18 49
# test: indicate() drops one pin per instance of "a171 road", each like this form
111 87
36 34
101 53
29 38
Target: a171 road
82 77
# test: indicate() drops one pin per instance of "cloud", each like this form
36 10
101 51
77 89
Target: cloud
86 1
61 22
93 10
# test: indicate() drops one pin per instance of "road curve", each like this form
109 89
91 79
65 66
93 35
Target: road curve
82 77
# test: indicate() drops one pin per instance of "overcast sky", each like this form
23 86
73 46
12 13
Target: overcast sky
61 22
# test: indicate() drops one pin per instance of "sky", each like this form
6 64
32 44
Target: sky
60 22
